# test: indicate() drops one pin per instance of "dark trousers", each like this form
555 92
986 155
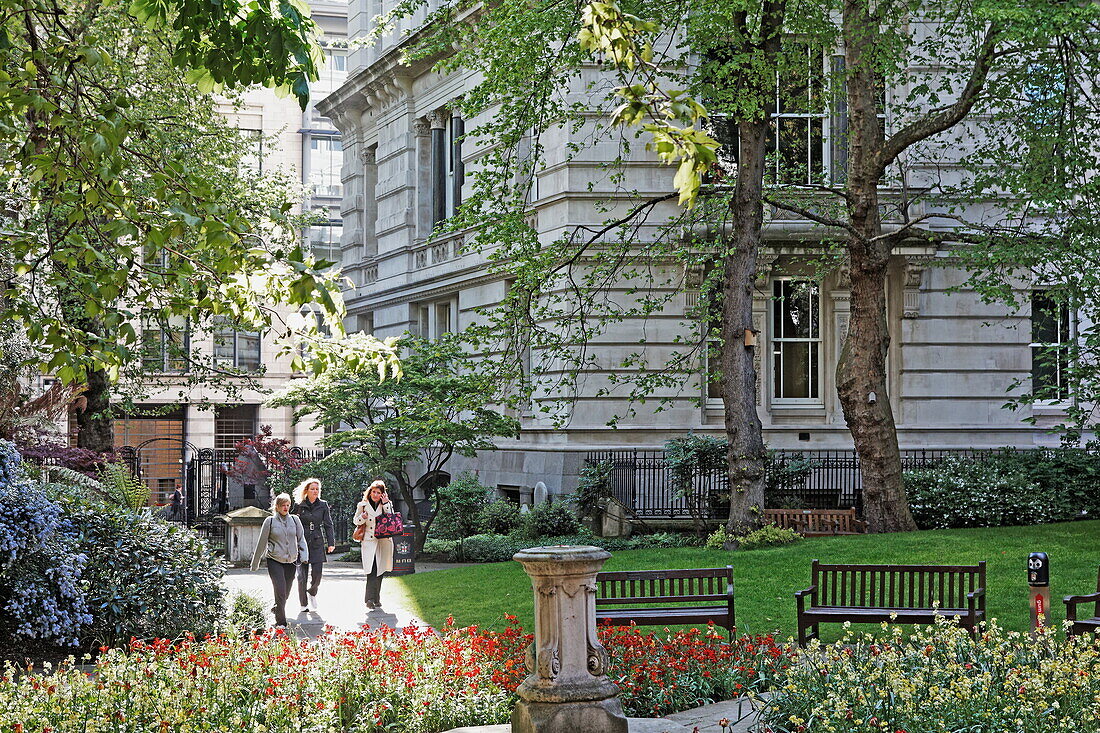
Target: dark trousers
313 571
374 585
282 577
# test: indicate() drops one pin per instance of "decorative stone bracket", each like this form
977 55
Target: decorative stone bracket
914 271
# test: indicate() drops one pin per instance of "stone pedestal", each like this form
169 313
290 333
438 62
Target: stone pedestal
242 533
568 690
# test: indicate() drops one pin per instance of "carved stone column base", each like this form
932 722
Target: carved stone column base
597 716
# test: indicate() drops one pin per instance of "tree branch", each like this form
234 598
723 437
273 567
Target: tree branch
943 118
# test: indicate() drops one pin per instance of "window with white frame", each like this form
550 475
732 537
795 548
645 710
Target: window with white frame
1051 331
163 349
326 156
447 169
796 341
235 348
799 116
436 318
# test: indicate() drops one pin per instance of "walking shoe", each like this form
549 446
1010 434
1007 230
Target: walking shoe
312 601
305 609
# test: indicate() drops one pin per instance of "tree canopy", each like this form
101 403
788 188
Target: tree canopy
441 406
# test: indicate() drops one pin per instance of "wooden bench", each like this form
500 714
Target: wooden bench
816 522
660 597
875 593
1080 626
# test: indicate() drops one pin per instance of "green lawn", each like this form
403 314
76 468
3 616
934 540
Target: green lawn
767 579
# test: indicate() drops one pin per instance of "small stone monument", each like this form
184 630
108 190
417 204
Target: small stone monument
540 494
568 690
243 533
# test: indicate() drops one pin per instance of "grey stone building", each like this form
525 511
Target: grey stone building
952 363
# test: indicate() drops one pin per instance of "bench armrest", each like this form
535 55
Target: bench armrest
1074 600
801 595
973 597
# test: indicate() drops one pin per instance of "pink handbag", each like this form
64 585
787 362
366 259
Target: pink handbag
388 525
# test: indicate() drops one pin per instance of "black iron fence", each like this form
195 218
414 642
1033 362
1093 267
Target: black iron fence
795 479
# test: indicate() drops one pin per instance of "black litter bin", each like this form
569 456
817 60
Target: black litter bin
404 552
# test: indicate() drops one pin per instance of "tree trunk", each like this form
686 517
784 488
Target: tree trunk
745 454
95 423
413 512
861 371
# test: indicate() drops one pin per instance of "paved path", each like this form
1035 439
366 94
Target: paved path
339 601
697 720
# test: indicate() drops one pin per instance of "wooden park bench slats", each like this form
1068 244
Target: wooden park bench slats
914 593
817 522
660 597
1080 626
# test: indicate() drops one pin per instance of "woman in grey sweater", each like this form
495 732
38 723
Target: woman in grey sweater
283 542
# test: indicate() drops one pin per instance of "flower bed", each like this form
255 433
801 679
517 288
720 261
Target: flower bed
940 680
415 681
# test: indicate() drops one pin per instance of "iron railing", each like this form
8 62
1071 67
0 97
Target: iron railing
797 479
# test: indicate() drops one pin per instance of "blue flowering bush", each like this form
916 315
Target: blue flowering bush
41 598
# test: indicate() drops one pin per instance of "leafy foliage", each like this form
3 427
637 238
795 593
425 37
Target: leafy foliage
768 536
127 203
550 519
593 488
247 613
132 559
262 456
459 506
499 516
438 407
1006 489
952 681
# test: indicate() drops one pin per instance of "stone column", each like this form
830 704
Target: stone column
568 690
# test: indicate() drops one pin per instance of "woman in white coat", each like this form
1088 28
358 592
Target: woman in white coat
377 553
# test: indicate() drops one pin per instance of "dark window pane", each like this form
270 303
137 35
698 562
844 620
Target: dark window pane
793 371
248 350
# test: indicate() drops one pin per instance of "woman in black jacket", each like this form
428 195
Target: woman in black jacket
320 538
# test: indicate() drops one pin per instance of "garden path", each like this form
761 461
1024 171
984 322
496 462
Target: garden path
340 600
697 720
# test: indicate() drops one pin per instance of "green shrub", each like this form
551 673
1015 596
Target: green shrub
458 508
146 577
489 548
549 520
247 614
499 517
355 554
716 540
439 551
768 536
593 489
962 492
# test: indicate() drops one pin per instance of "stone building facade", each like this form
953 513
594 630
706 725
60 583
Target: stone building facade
953 359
